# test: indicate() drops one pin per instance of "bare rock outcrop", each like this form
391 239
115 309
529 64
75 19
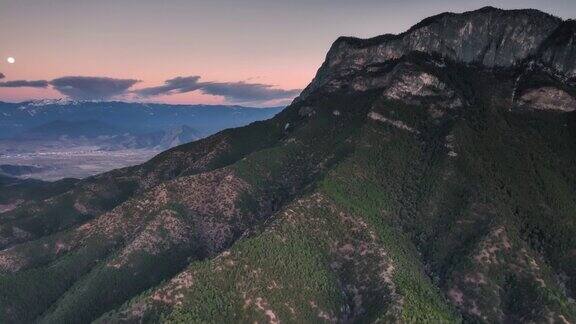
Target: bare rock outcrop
548 98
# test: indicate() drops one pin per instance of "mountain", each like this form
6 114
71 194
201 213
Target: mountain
138 118
59 129
14 191
109 137
422 177
18 170
178 136
71 129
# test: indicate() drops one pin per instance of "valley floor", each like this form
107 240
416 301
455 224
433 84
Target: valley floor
56 160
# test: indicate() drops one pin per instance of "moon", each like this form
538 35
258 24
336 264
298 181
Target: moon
11 60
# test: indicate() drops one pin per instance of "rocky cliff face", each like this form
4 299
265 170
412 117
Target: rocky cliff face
559 51
488 37
547 98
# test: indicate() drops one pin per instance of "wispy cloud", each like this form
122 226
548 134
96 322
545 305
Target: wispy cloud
92 88
103 88
24 83
240 92
248 92
176 85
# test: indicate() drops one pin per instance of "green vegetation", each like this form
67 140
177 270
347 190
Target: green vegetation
27 294
373 184
292 265
12 189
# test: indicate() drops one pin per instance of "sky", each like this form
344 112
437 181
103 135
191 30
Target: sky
252 52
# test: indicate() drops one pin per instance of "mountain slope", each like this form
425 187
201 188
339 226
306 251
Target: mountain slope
426 186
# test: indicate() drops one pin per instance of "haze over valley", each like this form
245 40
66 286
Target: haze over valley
55 139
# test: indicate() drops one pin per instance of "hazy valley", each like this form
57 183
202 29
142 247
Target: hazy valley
59 139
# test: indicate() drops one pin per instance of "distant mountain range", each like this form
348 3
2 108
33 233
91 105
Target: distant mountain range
73 129
48 119
108 137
